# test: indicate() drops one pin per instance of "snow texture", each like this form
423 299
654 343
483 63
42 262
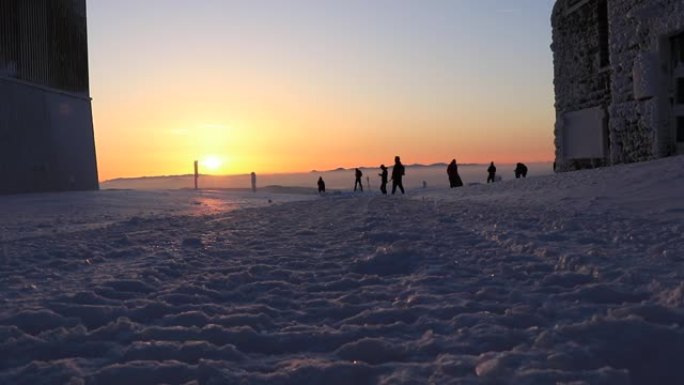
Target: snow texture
573 278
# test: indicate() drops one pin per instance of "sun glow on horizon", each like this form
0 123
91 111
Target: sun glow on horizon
318 85
211 164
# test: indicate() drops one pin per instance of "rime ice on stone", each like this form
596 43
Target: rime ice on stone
619 81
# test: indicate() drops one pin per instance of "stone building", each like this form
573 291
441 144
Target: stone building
619 81
46 124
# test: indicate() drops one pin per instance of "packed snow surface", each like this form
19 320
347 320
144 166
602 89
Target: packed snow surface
573 278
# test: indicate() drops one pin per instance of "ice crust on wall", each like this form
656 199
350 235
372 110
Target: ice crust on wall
633 88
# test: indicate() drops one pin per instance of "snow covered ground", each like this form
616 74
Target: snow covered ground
573 278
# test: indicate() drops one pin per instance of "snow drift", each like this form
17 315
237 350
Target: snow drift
565 279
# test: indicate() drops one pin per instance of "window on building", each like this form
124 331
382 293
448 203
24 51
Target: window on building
678 49
603 30
680 91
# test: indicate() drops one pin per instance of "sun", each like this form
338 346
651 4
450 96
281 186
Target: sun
211 163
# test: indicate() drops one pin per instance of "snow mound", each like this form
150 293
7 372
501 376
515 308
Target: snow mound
564 279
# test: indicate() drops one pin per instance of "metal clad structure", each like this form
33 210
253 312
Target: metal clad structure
45 42
46 129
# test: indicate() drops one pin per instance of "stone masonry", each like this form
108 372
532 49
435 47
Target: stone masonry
620 56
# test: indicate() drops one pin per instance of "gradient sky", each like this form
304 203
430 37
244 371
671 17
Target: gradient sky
295 85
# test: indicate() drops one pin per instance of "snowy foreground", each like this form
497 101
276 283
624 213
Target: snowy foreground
563 279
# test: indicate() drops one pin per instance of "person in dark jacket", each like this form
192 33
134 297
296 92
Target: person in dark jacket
454 178
321 185
491 170
520 170
398 172
357 182
383 179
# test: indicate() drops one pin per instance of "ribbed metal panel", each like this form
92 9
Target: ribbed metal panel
45 42
46 124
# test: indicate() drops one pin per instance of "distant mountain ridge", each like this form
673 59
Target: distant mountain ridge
413 165
243 180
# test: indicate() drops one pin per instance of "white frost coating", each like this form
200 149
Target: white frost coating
574 278
636 87
646 75
584 133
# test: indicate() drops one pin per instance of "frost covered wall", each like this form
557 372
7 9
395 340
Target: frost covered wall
46 129
626 59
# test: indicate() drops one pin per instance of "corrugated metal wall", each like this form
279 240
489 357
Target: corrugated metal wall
46 124
45 42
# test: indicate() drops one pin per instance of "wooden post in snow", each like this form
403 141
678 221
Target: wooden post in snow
196 173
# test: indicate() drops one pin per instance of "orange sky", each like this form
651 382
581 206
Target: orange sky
296 94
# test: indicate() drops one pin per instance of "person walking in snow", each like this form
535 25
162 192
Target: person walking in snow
452 172
491 170
398 172
321 185
383 179
520 170
357 182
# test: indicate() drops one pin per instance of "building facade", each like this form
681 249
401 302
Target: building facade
46 124
619 81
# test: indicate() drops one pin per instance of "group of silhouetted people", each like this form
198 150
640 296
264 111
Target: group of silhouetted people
398 172
520 171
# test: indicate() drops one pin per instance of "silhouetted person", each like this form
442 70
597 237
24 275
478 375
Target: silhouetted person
357 182
253 175
492 173
454 178
520 170
321 185
383 179
398 172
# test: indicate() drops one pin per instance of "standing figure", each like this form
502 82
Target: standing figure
253 175
520 170
454 178
357 182
398 172
492 173
383 179
321 185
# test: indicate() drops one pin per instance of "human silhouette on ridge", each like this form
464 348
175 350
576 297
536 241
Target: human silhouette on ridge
357 182
383 179
398 172
452 172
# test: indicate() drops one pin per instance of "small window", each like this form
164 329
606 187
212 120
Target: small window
678 49
604 36
680 91
680 129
